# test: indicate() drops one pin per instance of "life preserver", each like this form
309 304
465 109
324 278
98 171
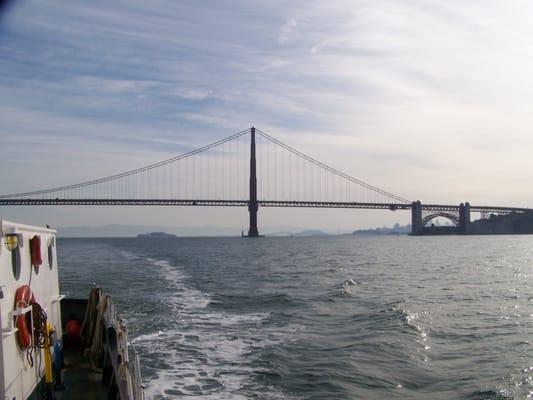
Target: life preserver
35 250
23 298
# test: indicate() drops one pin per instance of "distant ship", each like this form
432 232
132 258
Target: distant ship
43 331
156 235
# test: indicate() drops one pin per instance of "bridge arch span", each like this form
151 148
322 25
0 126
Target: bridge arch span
450 216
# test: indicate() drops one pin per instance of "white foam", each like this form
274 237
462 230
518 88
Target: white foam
128 256
147 337
206 354
183 298
347 285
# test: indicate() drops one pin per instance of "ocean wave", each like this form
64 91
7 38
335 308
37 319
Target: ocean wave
251 301
347 287
411 320
206 353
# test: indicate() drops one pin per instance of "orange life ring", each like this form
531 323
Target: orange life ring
23 298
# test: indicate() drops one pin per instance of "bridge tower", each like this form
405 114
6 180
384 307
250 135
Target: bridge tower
253 206
464 217
416 218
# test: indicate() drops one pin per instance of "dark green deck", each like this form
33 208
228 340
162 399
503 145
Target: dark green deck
81 382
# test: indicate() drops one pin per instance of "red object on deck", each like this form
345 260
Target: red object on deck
73 329
35 249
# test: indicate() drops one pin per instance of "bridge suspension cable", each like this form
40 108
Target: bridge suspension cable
332 170
220 171
130 172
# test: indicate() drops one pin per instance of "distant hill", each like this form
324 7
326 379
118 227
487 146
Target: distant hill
311 232
117 230
156 235
134 230
397 229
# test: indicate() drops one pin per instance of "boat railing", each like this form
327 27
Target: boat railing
126 367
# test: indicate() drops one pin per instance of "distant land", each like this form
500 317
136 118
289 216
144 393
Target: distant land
397 229
118 230
156 235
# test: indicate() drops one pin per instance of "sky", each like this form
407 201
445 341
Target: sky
429 100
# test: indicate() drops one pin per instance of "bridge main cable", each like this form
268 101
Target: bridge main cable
331 169
130 172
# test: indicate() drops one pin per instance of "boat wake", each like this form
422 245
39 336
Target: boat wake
202 352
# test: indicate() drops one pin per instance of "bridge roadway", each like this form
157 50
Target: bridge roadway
245 203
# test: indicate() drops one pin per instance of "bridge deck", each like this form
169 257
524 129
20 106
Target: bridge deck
244 203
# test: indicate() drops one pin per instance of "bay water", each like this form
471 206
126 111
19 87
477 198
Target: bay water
337 317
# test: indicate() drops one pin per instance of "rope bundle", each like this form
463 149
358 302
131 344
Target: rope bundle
40 319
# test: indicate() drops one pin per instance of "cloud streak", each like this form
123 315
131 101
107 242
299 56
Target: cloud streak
402 92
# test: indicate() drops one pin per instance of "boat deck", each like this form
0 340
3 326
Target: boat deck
81 382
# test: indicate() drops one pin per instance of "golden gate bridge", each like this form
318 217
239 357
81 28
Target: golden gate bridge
247 169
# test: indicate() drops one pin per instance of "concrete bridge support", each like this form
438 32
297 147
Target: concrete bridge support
464 218
416 218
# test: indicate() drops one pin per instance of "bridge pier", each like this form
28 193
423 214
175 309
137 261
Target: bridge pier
416 218
464 218
253 206
252 210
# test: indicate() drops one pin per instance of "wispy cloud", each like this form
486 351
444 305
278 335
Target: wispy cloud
287 29
403 93
86 83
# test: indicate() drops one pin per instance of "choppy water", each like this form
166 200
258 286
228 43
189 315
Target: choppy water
320 318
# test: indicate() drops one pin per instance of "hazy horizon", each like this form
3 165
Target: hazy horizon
129 230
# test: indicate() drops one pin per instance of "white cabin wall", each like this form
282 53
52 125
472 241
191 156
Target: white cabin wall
19 378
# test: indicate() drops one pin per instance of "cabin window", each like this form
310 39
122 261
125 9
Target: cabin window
51 255
15 262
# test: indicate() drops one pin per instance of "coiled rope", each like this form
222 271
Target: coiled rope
40 320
